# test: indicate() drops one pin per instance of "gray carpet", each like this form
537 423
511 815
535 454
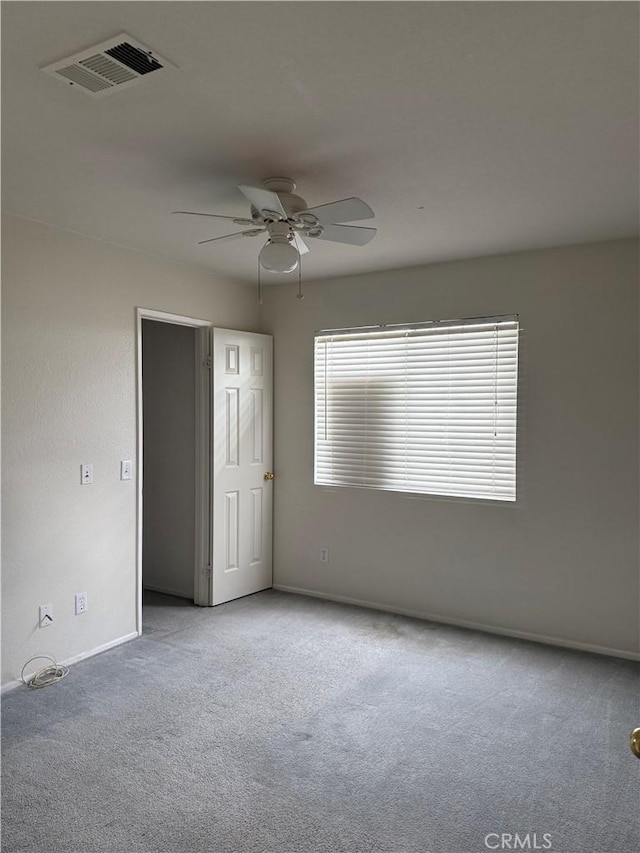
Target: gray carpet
281 723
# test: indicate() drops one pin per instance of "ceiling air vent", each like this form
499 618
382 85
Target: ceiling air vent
104 68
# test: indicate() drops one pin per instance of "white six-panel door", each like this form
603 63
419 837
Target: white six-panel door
242 491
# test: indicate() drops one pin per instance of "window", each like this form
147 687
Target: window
427 409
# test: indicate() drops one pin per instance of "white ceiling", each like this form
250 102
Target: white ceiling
470 128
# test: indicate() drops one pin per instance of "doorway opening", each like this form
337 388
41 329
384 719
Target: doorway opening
169 458
173 460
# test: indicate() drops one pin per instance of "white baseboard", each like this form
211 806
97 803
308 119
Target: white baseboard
11 685
463 623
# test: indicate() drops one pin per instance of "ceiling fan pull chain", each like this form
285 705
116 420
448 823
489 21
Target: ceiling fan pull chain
259 285
300 294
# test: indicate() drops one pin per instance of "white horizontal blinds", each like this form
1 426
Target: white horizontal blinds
429 409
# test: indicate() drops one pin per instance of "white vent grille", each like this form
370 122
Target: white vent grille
104 68
107 68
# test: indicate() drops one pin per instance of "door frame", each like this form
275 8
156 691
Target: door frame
202 562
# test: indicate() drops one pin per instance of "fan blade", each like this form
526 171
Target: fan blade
263 200
347 210
234 236
299 243
351 234
238 220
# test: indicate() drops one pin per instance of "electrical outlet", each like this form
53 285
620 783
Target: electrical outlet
81 602
324 555
46 615
86 474
125 469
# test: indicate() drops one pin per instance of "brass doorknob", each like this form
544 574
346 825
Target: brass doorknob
635 742
268 475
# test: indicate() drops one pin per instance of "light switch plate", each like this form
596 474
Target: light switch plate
86 474
125 469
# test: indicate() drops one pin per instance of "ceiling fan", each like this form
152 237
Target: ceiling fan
285 218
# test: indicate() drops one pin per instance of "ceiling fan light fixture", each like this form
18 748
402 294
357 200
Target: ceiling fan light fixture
278 255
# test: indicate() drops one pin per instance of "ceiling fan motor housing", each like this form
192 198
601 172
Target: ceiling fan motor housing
292 204
284 188
279 232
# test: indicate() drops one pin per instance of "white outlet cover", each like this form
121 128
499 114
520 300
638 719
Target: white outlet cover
46 615
81 603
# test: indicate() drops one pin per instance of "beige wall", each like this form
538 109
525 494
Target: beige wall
169 444
563 562
68 359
